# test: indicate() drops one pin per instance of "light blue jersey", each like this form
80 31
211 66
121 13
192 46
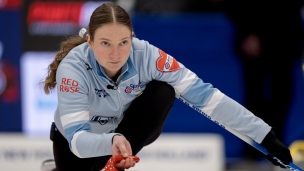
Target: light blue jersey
91 105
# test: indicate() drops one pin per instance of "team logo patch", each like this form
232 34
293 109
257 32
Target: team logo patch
101 120
101 93
132 87
166 63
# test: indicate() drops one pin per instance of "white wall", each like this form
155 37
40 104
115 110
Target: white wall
178 152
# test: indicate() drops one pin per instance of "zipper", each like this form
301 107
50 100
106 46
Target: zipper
119 99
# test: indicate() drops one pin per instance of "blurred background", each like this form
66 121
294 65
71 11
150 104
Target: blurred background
232 44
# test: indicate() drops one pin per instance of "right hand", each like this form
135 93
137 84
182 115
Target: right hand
121 146
111 164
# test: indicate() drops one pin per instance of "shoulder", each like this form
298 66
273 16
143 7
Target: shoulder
75 59
78 54
143 48
138 44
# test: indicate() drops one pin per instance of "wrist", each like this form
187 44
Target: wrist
269 138
114 136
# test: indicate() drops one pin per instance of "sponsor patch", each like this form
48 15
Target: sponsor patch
133 87
101 120
68 85
166 63
101 93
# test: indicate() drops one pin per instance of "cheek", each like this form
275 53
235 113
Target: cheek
100 55
126 51
102 51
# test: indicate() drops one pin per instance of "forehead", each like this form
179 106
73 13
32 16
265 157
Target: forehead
112 31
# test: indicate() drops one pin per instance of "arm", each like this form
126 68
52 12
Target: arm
215 105
277 152
210 100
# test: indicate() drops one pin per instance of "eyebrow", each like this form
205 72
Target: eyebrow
109 39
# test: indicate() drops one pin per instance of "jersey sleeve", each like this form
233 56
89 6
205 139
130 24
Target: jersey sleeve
210 100
73 108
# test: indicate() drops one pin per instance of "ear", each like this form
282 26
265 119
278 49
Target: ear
89 41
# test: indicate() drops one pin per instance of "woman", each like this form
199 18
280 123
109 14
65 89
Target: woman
116 91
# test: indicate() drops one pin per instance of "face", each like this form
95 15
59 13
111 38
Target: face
111 47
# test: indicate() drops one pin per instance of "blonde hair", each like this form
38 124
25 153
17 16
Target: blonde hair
104 14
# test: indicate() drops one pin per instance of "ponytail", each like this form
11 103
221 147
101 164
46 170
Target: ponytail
65 47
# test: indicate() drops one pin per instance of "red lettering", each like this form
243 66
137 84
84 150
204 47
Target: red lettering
74 89
74 83
68 85
54 12
61 88
66 88
69 81
63 81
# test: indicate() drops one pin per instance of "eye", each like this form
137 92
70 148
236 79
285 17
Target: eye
105 43
124 42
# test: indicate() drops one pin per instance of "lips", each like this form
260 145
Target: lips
114 62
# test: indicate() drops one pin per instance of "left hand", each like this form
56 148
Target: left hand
276 149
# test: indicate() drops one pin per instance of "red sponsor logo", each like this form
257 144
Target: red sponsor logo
128 90
68 85
166 63
54 12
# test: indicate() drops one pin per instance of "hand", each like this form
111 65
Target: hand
110 166
121 146
276 149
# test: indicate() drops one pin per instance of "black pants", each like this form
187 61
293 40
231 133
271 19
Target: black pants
142 124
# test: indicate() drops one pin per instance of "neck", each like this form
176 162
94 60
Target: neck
114 76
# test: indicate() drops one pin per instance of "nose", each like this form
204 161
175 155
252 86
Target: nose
115 52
